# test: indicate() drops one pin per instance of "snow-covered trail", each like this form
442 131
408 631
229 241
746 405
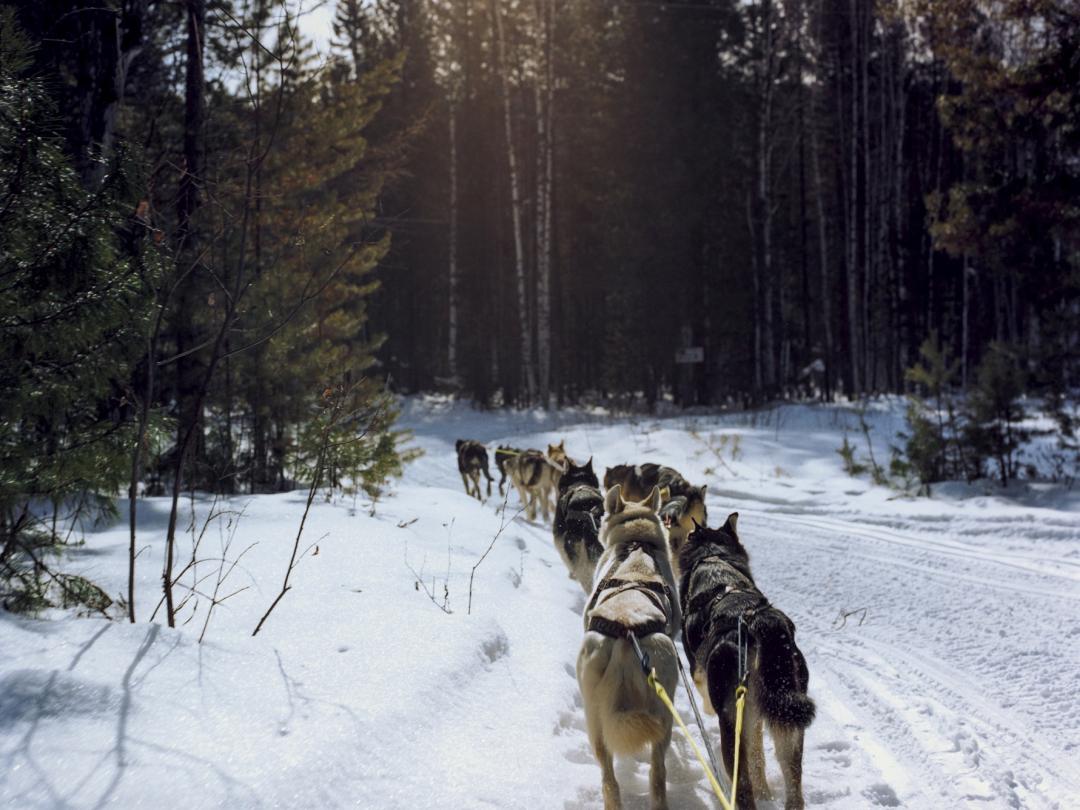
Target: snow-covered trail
957 689
960 682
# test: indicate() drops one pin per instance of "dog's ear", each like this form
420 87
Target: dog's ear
702 489
732 522
588 464
458 443
613 502
653 501
665 494
562 445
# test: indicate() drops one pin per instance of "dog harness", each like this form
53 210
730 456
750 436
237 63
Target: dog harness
602 607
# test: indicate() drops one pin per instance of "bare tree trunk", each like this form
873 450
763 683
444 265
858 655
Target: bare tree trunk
527 365
755 277
544 136
823 260
452 330
863 52
965 296
763 199
854 328
899 106
189 396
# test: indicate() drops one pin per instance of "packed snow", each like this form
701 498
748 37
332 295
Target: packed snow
942 636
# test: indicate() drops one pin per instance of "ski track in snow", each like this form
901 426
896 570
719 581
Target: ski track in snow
957 689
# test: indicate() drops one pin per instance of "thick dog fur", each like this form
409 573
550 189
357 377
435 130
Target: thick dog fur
578 513
503 455
472 460
534 476
622 713
717 590
682 502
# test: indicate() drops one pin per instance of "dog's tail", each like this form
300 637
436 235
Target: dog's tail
782 670
628 725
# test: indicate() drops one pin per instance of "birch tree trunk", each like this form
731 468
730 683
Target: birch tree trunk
527 366
544 95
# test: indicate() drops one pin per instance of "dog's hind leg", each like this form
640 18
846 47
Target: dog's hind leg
744 797
756 755
593 660
465 481
658 773
609 785
789 751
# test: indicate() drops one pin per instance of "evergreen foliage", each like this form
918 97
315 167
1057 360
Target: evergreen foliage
995 412
78 270
931 424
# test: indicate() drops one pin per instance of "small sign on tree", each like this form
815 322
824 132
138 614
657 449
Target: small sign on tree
690 354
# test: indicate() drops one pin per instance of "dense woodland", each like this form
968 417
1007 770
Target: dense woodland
807 190
221 252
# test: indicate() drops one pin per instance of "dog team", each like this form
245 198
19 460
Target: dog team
652 567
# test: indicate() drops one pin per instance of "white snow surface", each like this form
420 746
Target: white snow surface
959 687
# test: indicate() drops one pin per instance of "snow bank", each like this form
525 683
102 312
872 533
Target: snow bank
943 638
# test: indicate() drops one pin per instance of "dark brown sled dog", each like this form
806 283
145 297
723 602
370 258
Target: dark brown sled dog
718 592
472 460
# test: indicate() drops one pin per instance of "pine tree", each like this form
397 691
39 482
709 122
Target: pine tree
78 268
995 412
931 425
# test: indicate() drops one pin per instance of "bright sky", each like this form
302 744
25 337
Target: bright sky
315 21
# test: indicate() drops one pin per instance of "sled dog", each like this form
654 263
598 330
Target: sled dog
557 453
472 460
534 475
634 592
502 458
578 513
679 514
718 592
682 503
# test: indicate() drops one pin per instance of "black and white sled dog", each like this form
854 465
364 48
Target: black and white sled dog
717 592
578 513
634 592
472 460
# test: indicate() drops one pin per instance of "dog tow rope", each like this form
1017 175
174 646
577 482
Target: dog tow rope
740 703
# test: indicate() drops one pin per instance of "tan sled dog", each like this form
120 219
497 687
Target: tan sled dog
534 476
557 453
634 592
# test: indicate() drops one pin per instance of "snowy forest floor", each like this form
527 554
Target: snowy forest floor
951 683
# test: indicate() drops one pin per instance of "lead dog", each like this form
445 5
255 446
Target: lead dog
472 460
634 592
578 514
718 592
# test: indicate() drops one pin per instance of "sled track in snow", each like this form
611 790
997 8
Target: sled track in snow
925 677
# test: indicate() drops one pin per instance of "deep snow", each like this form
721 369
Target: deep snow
953 681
